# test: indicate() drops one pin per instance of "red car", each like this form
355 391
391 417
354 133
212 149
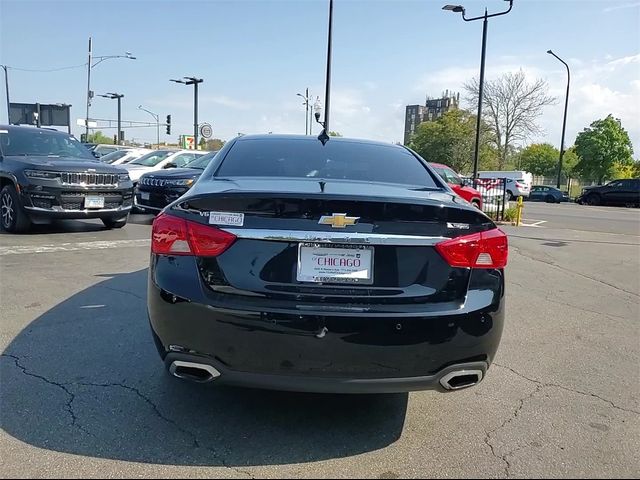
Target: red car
458 185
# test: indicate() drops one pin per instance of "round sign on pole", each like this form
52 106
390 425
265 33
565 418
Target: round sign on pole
206 130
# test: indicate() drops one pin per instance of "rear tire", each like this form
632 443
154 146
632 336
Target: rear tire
13 218
111 223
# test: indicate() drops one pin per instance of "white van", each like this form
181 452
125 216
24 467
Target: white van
518 181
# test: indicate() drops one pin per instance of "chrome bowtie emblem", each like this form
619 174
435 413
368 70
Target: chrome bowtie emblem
338 220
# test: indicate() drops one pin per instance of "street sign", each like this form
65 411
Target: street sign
81 122
206 130
188 142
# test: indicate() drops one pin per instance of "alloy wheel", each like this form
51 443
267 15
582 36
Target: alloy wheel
6 209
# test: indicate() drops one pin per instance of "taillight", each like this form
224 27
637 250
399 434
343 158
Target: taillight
176 236
487 249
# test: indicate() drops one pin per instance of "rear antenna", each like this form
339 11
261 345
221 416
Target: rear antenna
324 135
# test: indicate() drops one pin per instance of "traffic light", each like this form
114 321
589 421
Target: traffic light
168 124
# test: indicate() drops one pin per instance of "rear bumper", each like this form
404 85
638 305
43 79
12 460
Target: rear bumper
350 385
320 348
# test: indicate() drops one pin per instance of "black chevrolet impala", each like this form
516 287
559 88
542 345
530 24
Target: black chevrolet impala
349 267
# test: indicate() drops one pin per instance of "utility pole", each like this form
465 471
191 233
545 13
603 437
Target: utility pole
564 121
118 97
89 93
193 81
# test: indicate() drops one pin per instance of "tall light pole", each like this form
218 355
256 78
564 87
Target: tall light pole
116 96
564 121
485 17
157 117
306 99
90 65
6 85
193 81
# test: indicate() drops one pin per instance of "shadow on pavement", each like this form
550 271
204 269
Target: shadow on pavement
84 378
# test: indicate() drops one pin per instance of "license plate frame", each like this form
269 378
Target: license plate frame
145 196
92 202
308 274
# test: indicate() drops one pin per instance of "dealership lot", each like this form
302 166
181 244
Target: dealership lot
84 393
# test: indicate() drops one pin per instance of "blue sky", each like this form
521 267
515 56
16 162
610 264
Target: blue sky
256 55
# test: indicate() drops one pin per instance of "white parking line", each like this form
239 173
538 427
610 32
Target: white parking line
537 223
72 246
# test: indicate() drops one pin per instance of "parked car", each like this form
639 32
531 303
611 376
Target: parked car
158 189
121 157
159 159
458 184
46 174
543 193
617 192
294 265
518 182
104 148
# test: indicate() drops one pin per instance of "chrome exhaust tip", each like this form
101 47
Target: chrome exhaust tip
194 372
459 379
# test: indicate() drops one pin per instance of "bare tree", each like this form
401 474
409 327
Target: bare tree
511 107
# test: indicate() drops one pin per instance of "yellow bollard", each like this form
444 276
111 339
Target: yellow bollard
519 210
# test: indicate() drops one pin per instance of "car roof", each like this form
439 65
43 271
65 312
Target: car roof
31 129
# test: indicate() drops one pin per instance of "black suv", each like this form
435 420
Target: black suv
47 174
617 192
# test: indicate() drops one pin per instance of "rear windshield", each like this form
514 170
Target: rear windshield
341 159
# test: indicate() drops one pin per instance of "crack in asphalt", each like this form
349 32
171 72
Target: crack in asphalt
566 304
553 264
74 419
159 414
562 387
62 386
511 418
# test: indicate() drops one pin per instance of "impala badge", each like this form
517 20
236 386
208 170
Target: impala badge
338 220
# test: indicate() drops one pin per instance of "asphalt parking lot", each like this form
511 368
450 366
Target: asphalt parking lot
83 392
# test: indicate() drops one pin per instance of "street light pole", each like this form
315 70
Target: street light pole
90 65
193 81
306 115
86 120
116 96
157 117
485 23
6 85
564 121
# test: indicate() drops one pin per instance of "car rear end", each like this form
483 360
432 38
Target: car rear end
326 285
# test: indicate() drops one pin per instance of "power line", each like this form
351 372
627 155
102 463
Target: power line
38 70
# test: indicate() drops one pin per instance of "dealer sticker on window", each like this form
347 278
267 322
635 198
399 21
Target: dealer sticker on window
226 218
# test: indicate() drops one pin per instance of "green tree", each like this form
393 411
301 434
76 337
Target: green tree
99 137
540 159
450 140
214 144
334 134
603 148
569 162
202 144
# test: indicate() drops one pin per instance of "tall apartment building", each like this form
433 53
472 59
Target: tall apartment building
431 110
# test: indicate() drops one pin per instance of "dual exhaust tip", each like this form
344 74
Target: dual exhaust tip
203 373
459 379
195 372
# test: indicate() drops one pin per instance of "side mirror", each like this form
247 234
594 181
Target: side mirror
170 165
